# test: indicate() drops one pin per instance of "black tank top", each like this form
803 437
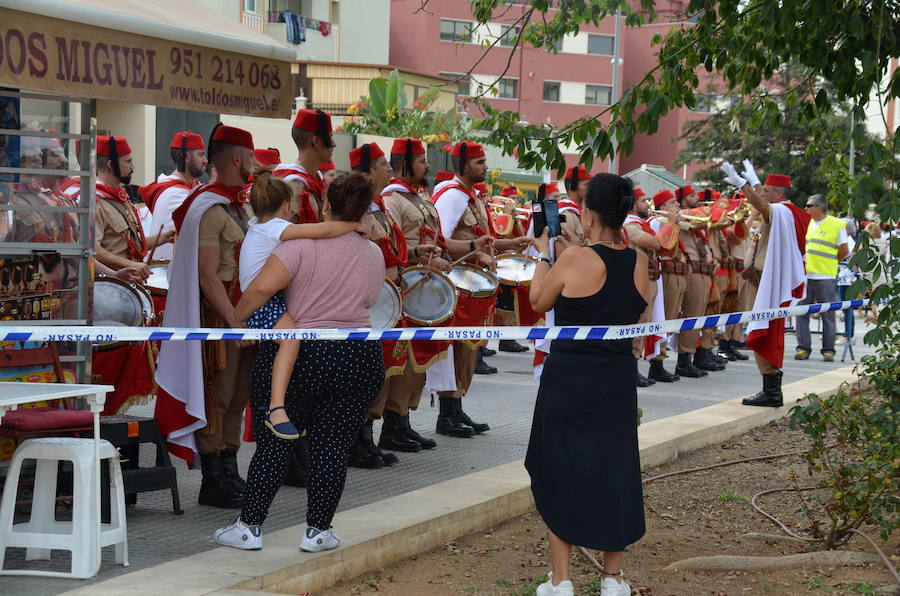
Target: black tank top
618 302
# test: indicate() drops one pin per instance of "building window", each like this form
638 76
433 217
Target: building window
508 36
507 88
249 5
598 95
551 91
456 30
465 83
603 45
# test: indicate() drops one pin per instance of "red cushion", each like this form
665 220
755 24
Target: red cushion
31 419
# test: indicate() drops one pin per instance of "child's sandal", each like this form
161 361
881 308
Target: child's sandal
282 430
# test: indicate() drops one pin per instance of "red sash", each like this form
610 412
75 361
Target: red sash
569 204
393 257
235 194
470 192
152 191
314 185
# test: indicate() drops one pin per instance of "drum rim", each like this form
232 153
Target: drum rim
511 255
480 270
432 322
144 297
157 290
396 292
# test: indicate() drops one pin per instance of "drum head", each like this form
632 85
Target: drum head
387 311
430 302
514 270
473 280
159 278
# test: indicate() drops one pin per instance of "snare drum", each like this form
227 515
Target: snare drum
386 313
471 280
158 282
515 269
120 304
432 301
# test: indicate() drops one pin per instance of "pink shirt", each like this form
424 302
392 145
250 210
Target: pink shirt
334 280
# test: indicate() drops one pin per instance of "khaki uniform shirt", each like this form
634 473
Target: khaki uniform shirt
572 226
411 212
635 233
27 224
758 254
695 249
378 227
115 224
300 187
224 226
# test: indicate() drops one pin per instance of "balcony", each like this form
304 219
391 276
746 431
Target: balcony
316 47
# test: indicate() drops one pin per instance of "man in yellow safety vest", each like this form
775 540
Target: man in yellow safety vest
826 246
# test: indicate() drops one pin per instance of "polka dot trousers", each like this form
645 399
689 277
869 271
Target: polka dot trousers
331 388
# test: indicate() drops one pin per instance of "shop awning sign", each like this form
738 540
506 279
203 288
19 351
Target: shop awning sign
58 56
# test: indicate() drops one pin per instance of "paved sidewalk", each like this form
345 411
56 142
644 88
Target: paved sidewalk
504 400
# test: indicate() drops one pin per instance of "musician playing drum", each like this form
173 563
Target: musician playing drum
120 244
464 217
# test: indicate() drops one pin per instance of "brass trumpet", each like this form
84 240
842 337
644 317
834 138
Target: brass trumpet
686 221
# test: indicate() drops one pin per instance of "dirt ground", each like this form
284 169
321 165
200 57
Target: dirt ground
702 513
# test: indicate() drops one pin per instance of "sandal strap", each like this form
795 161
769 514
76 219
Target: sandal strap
276 408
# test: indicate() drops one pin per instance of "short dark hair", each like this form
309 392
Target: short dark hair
350 195
102 160
301 137
218 148
568 184
611 197
398 160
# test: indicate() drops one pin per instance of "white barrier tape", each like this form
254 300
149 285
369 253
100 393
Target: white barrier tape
109 334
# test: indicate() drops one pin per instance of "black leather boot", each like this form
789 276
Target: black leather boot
718 358
230 470
642 381
296 472
478 427
412 434
511 345
482 367
486 352
363 453
704 361
215 489
659 373
770 395
687 369
734 347
393 435
449 423
726 351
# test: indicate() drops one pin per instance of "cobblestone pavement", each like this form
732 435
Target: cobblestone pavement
504 400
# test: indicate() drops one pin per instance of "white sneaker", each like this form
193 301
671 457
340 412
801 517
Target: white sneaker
238 535
610 587
315 540
565 588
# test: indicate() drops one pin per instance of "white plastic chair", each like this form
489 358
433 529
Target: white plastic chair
43 532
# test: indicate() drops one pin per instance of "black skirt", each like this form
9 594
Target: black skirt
583 453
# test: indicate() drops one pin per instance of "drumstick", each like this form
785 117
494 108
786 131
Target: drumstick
462 258
423 278
155 244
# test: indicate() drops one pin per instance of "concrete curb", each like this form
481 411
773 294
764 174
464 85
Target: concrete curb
386 531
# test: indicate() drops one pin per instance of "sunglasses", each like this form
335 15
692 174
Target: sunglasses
808 205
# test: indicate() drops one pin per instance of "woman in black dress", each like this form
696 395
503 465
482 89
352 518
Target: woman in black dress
583 452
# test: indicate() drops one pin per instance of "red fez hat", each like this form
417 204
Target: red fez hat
577 174
482 188
327 166
313 121
401 146
364 155
551 188
443 176
782 180
638 193
467 150
121 143
685 191
509 191
187 140
233 136
267 157
662 197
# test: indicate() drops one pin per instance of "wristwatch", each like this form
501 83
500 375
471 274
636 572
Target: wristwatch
545 256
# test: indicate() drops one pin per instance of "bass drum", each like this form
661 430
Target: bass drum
474 281
429 302
386 313
120 304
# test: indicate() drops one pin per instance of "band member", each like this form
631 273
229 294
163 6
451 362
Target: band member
40 190
312 135
739 242
576 183
328 171
776 271
642 237
203 388
381 229
674 281
463 216
267 158
164 196
409 203
721 284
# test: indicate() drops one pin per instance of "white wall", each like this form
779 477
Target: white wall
267 132
229 8
576 44
364 29
137 123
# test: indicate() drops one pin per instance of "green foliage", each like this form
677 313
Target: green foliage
856 453
385 112
730 496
